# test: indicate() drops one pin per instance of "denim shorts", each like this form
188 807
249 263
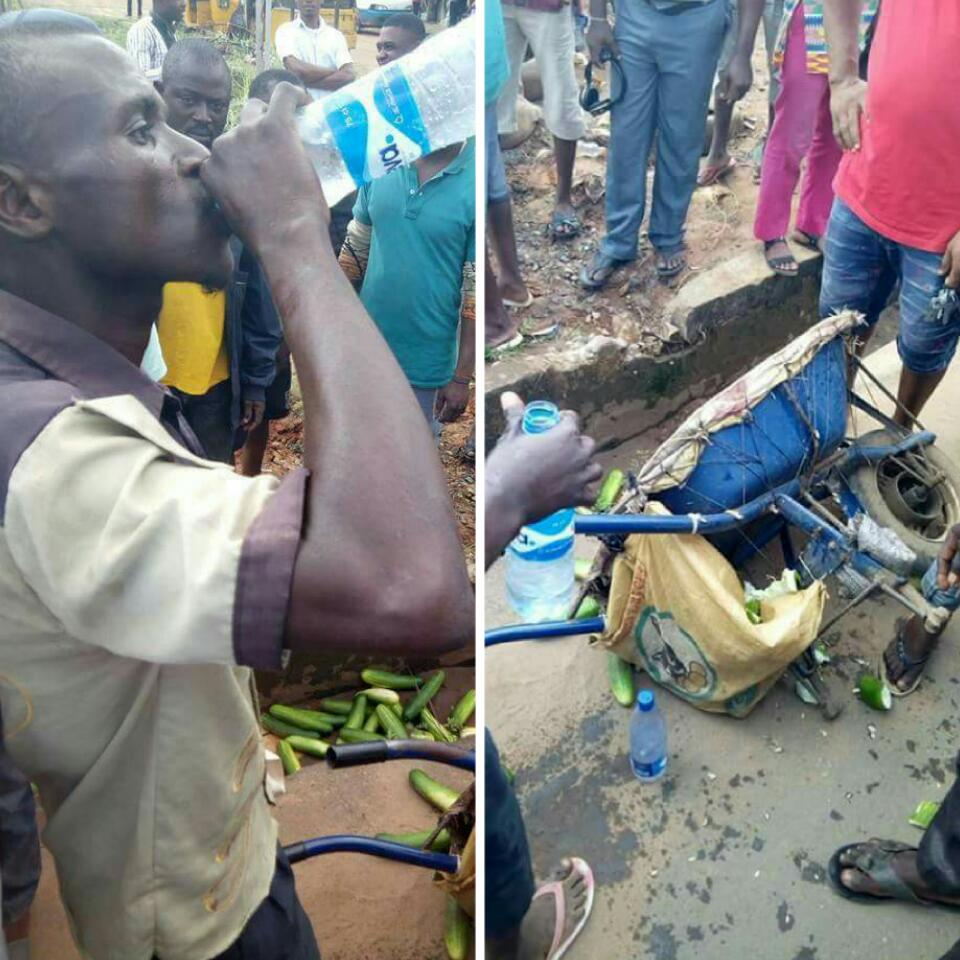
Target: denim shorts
862 268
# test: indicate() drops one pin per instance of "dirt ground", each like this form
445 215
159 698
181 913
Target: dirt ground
719 226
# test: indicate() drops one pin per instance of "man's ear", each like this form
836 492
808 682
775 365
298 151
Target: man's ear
25 207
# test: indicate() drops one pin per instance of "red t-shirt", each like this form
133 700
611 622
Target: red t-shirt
904 181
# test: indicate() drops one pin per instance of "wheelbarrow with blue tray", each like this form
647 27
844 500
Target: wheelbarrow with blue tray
776 456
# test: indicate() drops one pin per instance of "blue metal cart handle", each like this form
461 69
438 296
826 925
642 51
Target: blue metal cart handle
347 843
543 631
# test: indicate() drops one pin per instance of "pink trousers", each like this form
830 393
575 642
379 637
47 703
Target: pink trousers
802 127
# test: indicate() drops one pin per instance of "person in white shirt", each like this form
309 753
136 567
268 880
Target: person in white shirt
149 39
315 52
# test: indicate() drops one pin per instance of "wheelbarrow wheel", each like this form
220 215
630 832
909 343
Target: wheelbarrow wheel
916 495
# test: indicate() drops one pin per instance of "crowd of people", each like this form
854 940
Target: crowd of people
862 111
152 305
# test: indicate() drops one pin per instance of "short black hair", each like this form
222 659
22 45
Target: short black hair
23 34
262 85
409 22
189 52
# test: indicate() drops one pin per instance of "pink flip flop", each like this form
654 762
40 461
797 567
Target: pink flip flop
555 889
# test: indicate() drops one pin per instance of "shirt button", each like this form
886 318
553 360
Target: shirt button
413 193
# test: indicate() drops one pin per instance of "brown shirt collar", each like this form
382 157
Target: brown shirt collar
69 353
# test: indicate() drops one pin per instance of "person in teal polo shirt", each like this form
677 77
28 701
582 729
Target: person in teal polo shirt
410 250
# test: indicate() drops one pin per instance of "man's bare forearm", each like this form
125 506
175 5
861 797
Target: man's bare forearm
321 78
841 20
380 567
749 14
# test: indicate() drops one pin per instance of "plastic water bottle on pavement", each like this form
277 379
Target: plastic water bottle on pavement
389 118
540 563
648 739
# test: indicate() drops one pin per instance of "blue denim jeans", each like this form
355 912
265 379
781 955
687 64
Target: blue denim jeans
19 841
861 269
509 872
668 62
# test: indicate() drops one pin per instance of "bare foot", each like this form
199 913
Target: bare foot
539 925
514 290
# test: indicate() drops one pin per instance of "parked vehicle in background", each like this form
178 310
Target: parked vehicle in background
372 13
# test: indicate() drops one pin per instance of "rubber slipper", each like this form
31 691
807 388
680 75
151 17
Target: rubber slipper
780 265
554 888
516 304
515 341
809 240
665 273
564 226
878 869
595 274
715 172
906 661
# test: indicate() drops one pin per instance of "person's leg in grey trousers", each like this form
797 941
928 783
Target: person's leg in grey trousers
632 122
688 49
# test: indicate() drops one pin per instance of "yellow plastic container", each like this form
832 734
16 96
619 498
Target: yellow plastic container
204 16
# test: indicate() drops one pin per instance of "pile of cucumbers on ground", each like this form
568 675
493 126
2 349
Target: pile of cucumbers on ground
378 713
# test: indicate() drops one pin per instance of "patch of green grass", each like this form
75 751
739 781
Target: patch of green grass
238 54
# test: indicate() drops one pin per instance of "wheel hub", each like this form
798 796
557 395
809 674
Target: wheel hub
919 505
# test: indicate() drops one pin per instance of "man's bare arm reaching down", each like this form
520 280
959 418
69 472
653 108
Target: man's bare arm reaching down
380 567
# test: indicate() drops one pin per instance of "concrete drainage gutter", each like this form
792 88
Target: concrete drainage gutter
734 315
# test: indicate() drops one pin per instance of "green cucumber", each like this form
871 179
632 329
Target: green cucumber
349 735
432 725
307 719
341 708
288 758
382 695
441 842
589 607
462 712
372 723
316 748
389 681
609 490
427 692
621 680
282 729
456 931
358 712
436 794
392 725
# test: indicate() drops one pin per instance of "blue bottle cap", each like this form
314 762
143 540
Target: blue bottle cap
645 700
540 416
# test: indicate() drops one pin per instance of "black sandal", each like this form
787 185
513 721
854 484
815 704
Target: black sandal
679 258
910 663
876 862
809 240
786 266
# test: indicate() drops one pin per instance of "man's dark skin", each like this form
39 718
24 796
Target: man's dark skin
529 476
320 78
104 203
197 97
170 11
393 43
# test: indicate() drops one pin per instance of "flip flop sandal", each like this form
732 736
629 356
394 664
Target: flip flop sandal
515 341
877 863
715 172
809 240
595 274
564 227
907 661
516 304
554 888
780 265
666 273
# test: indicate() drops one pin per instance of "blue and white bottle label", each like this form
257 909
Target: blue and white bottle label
381 129
650 771
549 539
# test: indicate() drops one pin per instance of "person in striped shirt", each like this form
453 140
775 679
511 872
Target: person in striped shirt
149 39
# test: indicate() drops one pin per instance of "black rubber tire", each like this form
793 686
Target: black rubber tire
863 481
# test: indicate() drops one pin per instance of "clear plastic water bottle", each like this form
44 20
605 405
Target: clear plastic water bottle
540 562
389 118
648 739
